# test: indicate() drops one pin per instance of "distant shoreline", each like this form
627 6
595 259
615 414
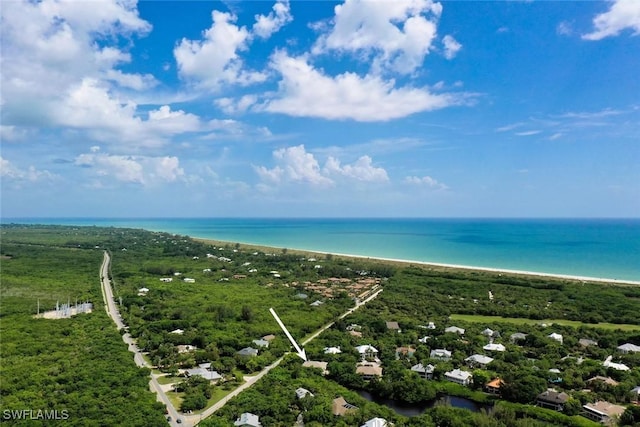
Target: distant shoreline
428 264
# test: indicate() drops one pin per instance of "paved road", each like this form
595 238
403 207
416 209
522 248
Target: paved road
112 311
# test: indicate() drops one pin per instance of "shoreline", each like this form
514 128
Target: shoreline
432 264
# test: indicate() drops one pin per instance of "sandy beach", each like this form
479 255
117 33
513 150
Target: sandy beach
272 249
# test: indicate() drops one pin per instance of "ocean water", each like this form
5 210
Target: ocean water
599 248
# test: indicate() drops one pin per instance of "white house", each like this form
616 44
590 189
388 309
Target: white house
332 350
629 348
143 291
555 336
376 422
302 392
177 331
487 332
440 354
459 377
189 280
478 360
367 351
455 330
494 347
166 279
248 419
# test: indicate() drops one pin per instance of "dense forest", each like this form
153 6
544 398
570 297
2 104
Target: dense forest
189 302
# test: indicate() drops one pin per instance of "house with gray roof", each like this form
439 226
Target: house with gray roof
248 352
552 399
440 354
247 419
459 377
629 348
425 372
454 330
478 360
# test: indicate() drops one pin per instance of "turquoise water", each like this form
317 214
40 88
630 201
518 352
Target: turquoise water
603 248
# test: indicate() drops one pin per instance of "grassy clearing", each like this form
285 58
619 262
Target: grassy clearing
519 321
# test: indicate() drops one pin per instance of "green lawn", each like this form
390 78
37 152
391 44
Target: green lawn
520 321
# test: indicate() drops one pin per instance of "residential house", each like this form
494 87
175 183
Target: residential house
247 352
332 350
454 330
204 373
186 348
440 354
404 351
518 336
303 392
604 380
425 372
369 370
367 352
552 399
478 360
494 347
431 325
189 280
377 422
636 391
247 419
487 332
261 343
629 348
555 336
177 332
493 386
316 303
269 337
166 279
356 334
459 377
603 411
617 366
143 291
424 339
316 364
341 407
393 326
585 342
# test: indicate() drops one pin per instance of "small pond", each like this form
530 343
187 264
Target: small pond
413 409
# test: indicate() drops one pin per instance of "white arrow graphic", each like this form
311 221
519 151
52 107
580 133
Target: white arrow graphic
301 352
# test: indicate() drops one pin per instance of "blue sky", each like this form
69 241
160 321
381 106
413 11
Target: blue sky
359 108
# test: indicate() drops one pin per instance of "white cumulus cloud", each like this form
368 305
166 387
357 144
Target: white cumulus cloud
451 47
394 35
14 174
265 26
214 60
622 15
297 165
305 91
143 170
361 170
